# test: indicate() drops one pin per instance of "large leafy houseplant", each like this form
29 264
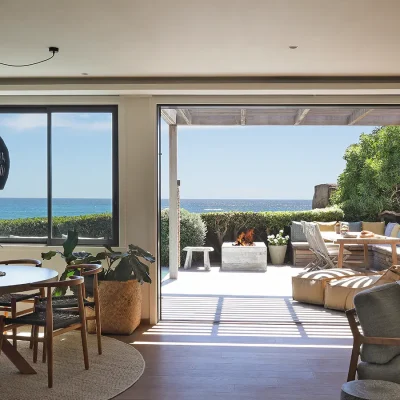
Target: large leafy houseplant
120 266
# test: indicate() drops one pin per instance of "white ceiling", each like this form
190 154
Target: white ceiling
201 38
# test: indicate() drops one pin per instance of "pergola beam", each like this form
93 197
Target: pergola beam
301 114
243 116
358 115
184 113
169 116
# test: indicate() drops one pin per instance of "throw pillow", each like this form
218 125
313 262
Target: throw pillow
376 227
389 228
327 226
296 232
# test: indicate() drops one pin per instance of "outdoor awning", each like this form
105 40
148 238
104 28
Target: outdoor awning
281 116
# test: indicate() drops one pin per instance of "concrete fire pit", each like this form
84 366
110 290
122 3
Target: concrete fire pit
244 258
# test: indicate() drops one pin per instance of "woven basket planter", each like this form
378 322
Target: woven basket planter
120 307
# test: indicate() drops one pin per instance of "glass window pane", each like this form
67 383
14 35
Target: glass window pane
23 201
82 174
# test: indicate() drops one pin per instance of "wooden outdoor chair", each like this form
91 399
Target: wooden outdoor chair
328 253
70 302
318 262
54 322
378 343
8 302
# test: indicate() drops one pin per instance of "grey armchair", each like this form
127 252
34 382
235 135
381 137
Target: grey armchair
378 312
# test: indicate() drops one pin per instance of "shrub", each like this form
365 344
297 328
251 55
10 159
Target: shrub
93 225
225 226
370 182
192 230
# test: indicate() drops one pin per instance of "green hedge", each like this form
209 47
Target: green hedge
225 226
93 225
193 233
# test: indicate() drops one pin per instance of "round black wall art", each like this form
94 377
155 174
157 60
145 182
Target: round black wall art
4 164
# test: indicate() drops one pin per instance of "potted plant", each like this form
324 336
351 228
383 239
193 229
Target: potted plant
119 283
277 246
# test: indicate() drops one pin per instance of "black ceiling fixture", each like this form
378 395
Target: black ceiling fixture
52 49
4 164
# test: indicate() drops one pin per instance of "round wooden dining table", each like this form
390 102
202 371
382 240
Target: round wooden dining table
19 279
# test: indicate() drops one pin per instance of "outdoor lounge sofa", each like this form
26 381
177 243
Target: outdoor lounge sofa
380 256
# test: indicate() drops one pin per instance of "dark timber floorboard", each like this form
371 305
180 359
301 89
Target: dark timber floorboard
298 352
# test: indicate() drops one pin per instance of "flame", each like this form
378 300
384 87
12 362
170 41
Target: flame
245 238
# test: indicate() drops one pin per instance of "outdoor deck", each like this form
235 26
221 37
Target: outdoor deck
231 335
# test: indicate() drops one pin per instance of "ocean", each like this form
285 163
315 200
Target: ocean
214 205
12 208
28 208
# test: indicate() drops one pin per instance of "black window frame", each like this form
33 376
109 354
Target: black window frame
49 110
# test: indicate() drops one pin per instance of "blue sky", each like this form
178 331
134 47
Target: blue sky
266 162
263 162
81 155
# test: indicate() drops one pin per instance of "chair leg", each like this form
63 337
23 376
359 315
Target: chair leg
14 315
353 361
35 342
98 332
1 331
44 347
49 349
85 345
31 343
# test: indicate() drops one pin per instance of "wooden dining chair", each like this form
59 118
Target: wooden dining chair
71 301
54 322
8 302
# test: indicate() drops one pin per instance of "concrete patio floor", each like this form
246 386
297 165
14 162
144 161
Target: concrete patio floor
277 281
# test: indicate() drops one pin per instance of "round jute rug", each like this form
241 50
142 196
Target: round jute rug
118 368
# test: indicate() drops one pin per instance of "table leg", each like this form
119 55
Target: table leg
207 265
188 261
340 257
394 254
12 354
366 257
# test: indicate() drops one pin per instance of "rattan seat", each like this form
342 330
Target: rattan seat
61 319
68 301
6 299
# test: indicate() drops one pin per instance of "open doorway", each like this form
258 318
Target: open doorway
244 161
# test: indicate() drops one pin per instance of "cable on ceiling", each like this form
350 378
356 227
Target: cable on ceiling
53 50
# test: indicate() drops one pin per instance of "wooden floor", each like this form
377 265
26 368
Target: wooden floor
216 345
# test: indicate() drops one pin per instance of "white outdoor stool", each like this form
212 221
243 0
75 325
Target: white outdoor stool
205 250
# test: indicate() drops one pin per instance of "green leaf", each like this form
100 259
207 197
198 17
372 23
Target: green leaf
70 243
123 271
49 255
62 290
142 253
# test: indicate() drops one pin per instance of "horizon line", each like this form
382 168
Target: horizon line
239 199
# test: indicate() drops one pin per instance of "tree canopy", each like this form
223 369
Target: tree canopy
370 182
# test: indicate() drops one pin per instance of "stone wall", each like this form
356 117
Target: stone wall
322 194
